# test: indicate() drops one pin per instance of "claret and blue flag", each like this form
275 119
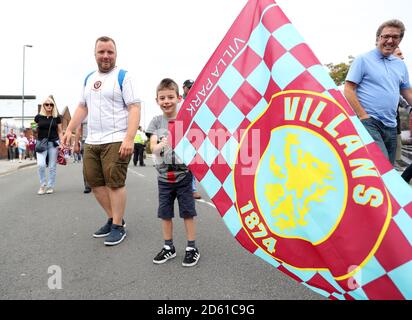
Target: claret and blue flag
292 171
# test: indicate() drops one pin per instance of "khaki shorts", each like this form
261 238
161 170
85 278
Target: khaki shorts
102 166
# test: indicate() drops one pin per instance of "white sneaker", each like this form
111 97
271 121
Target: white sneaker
49 191
42 190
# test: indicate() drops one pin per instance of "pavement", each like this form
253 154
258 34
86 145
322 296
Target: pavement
7 166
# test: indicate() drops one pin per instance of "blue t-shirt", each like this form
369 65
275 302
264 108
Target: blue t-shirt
379 80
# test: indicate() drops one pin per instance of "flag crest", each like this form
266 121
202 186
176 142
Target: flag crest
294 174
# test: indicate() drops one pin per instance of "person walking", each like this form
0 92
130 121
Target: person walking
11 144
31 146
373 85
402 104
77 158
139 145
78 148
174 178
109 101
407 173
22 144
49 125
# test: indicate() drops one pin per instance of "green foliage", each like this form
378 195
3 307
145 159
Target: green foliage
339 71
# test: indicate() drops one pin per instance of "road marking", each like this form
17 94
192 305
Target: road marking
137 173
199 200
206 202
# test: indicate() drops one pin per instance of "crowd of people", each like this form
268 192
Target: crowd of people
21 147
375 85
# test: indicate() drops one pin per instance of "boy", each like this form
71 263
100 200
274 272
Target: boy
174 178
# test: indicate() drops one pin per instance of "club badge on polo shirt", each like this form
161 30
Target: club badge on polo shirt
97 85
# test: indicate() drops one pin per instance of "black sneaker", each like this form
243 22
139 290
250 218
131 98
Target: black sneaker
117 235
164 255
192 256
105 230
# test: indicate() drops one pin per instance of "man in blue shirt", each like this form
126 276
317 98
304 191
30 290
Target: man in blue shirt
373 85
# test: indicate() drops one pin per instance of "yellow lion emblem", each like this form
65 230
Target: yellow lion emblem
289 206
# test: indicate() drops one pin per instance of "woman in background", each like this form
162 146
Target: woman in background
49 125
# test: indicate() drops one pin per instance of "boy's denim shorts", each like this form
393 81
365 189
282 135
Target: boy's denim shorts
181 190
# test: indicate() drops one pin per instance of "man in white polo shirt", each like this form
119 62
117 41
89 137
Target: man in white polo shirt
112 108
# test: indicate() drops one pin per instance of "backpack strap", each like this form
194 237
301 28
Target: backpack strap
87 77
120 78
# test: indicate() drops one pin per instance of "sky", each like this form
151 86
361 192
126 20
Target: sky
164 38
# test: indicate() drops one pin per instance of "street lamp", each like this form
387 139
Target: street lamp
22 96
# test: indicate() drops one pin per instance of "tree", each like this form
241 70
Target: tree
339 71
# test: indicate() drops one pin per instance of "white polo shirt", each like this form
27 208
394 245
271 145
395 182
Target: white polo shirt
107 117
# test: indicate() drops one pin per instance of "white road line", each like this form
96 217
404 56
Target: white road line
206 202
199 200
136 173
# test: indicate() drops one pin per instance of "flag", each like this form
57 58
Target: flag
295 176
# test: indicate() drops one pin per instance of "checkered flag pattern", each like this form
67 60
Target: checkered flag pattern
262 55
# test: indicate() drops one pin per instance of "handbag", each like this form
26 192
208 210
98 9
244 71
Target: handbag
61 158
41 145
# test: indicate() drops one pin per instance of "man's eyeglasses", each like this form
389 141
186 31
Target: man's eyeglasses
49 104
395 37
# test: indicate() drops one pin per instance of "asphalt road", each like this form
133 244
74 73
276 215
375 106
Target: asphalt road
47 236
